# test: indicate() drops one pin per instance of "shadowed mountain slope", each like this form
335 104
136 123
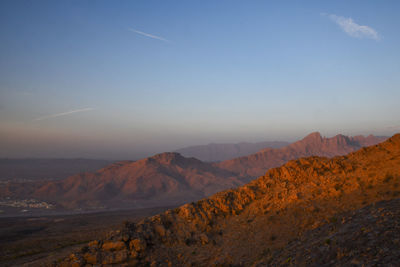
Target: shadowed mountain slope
219 152
166 178
244 225
312 145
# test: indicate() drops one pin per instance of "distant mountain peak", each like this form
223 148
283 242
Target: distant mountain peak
169 158
224 151
313 136
167 155
163 179
342 139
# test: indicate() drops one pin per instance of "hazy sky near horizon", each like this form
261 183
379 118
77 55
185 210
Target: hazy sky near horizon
126 79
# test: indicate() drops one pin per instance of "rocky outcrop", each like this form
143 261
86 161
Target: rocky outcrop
244 225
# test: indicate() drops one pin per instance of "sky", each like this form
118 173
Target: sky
127 79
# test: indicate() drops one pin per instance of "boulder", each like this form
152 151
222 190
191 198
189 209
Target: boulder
113 246
137 245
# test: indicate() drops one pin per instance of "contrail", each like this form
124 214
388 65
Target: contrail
63 114
149 35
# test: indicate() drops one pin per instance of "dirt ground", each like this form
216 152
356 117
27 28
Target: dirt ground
33 241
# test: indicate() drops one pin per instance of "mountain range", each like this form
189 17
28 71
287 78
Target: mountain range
220 152
171 179
307 212
312 145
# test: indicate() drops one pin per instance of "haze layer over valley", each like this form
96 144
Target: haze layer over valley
168 179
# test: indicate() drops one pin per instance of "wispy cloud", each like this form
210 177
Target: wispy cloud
149 35
353 29
63 114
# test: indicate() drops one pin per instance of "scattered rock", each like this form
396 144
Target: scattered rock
138 245
113 246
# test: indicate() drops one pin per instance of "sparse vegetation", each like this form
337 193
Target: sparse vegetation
333 219
288 260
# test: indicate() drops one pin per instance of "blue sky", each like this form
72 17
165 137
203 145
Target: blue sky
125 79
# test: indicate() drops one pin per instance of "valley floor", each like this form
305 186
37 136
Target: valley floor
40 240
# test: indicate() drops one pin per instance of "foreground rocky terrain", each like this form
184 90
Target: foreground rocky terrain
245 226
367 237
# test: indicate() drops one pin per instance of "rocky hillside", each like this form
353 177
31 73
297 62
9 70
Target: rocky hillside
164 179
220 152
368 236
312 145
244 226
